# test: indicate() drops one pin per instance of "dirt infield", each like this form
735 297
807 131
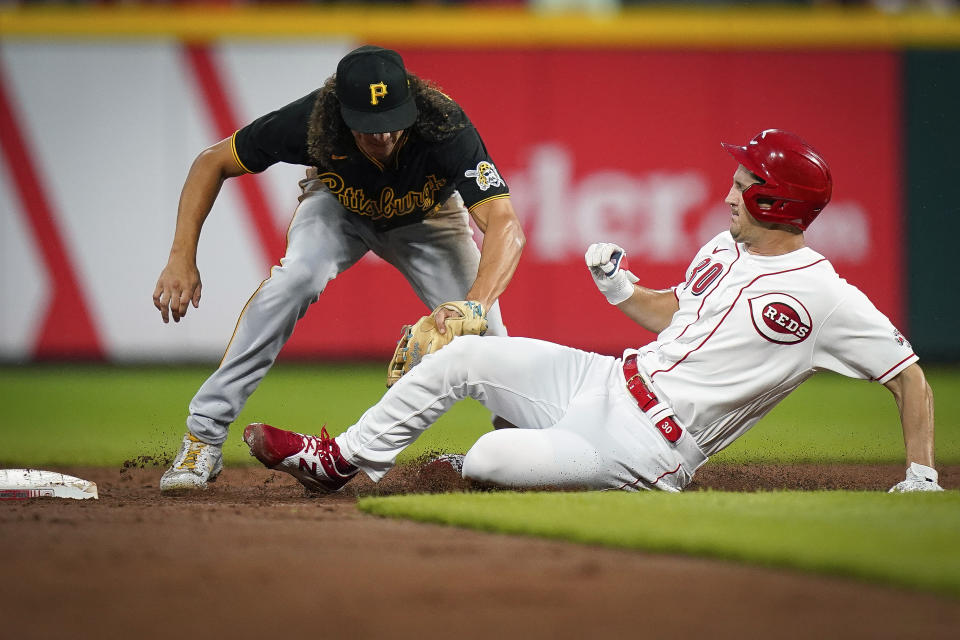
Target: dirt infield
254 557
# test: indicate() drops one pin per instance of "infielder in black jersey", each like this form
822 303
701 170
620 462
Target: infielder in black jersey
394 167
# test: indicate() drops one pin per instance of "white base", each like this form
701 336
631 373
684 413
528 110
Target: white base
21 484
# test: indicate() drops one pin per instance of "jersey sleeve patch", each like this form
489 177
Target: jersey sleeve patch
486 175
463 158
900 339
857 340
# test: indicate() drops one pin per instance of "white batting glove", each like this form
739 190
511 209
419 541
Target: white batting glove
919 478
608 266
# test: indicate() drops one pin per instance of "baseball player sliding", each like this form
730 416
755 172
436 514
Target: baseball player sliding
394 168
757 314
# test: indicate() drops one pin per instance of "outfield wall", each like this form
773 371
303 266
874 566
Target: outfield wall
932 199
604 129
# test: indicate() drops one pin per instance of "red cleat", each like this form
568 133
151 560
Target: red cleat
313 460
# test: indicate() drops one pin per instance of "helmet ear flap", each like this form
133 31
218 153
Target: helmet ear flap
768 205
796 180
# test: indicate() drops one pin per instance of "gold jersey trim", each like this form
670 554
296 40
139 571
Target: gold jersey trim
396 150
233 148
485 200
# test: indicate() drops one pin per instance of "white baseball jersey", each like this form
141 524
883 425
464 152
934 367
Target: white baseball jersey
751 328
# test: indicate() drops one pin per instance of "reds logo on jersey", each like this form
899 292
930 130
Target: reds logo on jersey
780 318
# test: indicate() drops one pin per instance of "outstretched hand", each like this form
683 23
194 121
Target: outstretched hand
179 285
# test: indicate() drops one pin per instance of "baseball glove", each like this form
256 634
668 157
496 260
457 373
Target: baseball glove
423 338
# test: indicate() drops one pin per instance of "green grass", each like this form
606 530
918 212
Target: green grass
102 415
835 419
907 540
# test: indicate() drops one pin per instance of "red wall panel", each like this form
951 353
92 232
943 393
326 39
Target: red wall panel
625 125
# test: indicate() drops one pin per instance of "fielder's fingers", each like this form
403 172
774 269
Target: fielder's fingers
196 297
441 318
449 310
184 304
160 301
158 296
175 304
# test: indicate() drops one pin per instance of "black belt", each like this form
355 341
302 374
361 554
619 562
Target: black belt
647 401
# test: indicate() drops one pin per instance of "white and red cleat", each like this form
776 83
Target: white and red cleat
313 460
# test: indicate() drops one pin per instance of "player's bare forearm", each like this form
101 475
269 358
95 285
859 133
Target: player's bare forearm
503 242
915 402
179 282
200 190
652 309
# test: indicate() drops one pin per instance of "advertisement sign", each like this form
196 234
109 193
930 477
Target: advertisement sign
624 146
615 145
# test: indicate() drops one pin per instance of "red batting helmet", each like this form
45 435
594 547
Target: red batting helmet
796 179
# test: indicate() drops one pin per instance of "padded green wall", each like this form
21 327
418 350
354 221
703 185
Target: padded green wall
931 87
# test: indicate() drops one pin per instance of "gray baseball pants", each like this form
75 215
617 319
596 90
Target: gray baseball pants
438 257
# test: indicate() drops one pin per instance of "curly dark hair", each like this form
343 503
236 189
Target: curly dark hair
439 118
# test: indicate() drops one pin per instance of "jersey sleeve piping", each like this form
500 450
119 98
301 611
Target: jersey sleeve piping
497 197
236 156
890 373
895 370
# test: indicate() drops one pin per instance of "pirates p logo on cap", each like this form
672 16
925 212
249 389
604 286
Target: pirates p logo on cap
377 91
374 94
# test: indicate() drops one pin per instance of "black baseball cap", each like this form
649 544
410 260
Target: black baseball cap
373 91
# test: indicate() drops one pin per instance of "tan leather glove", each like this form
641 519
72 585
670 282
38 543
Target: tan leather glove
424 338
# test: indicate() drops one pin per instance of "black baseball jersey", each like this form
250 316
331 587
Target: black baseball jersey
420 176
